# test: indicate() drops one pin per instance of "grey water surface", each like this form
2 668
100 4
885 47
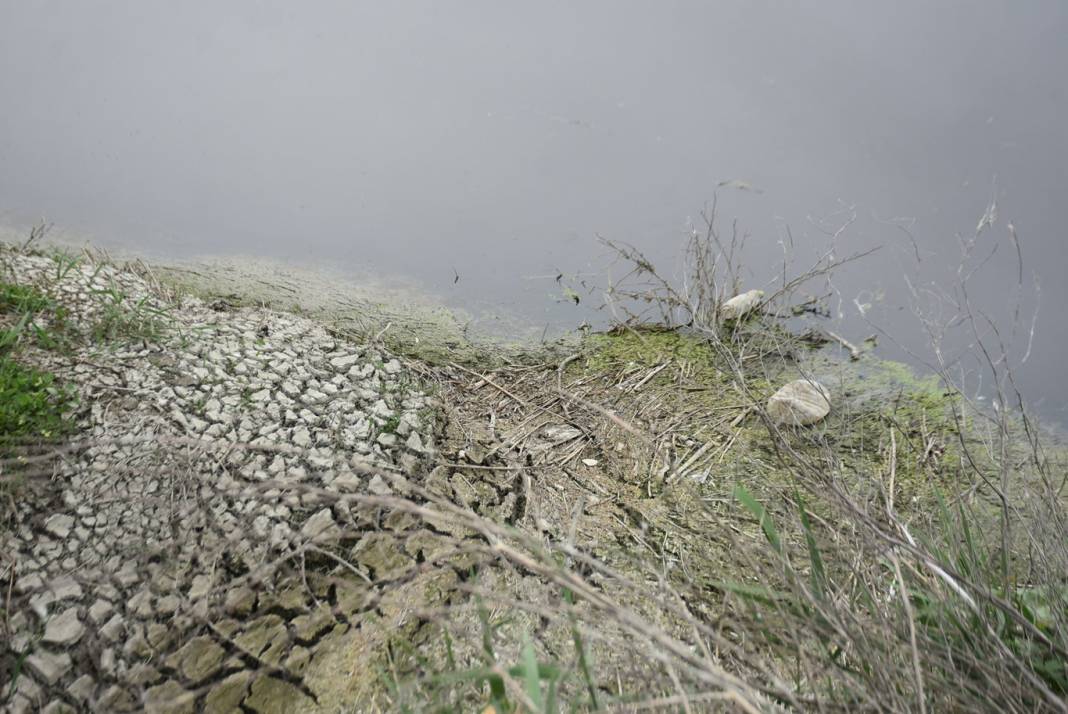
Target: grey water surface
479 148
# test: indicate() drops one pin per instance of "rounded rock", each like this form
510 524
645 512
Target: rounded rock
799 403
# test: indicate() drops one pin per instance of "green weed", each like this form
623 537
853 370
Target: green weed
64 264
391 424
451 687
980 621
22 299
32 404
123 318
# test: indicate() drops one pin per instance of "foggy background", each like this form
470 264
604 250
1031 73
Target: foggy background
497 139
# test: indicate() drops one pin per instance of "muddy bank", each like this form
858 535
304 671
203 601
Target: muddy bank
251 508
144 561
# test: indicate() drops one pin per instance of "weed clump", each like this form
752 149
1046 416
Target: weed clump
34 407
32 404
21 299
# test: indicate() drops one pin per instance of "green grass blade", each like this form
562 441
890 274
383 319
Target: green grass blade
531 679
498 695
580 650
450 656
819 577
551 705
754 507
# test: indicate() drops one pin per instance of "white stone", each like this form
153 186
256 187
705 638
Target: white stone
82 688
107 661
362 372
65 587
196 424
49 667
100 611
141 604
344 363
28 583
64 629
128 575
314 396
799 403
301 437
740 305
113 628
280 535
59 525
200 587
348 481
321 528
379 487
414 442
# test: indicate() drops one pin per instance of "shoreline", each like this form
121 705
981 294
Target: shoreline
249 507
411 320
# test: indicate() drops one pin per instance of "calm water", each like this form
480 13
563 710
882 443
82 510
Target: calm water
493 141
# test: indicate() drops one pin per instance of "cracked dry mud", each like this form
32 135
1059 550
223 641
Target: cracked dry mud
165 563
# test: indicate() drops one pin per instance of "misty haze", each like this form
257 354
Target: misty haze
379 356
498 141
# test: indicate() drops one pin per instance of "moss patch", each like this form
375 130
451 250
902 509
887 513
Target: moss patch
697 389
646 348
